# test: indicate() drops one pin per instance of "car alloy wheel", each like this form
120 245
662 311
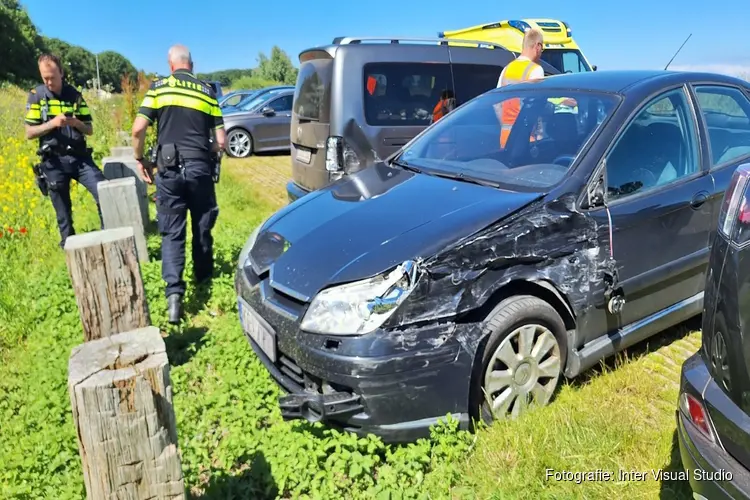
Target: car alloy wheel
239 144
522 359
523 370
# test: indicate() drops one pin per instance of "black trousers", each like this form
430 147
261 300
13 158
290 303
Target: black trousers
59 171
177 193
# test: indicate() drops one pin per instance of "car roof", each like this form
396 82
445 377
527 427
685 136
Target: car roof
355 43
620 81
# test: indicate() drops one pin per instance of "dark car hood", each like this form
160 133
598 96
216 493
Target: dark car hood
334 236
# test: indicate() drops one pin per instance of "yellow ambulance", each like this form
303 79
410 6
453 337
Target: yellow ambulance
560 50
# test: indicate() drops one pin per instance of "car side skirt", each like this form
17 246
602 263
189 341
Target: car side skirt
607 345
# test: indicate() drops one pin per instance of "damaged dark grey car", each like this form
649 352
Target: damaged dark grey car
474 270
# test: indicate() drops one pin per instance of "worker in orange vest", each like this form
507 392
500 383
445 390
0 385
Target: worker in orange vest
525 67
445 105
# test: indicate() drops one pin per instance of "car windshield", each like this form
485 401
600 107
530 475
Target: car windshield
255 100
518 139
235 98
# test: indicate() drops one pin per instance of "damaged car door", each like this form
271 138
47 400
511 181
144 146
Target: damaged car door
656 198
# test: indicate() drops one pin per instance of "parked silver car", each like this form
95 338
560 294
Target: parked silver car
263 126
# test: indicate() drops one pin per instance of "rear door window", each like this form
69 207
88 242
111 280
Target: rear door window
313 90
726 111
407 94
474 79
403 94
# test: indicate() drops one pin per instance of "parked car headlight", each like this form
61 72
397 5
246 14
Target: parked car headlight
360 307
245 252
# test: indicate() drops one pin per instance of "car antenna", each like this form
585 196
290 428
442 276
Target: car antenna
678 51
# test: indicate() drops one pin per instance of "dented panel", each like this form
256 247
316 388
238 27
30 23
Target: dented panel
543 241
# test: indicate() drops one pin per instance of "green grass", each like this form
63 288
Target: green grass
233 441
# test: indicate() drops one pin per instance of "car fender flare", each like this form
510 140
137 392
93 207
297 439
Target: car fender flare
540 287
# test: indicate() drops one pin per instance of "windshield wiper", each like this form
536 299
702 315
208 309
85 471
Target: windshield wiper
461 177
406 166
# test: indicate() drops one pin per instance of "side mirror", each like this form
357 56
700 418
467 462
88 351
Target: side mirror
593 67
267 111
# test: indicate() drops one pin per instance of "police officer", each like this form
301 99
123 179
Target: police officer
186 112
58 116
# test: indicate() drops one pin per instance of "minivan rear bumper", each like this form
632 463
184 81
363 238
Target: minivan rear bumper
712 472
294 191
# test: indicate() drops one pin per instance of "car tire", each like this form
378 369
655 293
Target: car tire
535 377
239 143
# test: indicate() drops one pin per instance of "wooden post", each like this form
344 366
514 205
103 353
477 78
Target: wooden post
119 168
123 138
118 199
107 282
122 151
121 397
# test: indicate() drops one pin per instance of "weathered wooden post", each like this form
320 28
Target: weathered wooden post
121 151
120 208
122 138
120 168
107 282
121 397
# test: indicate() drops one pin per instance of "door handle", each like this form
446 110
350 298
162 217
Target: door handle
699 199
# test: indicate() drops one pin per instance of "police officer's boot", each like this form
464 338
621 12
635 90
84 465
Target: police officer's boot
175 308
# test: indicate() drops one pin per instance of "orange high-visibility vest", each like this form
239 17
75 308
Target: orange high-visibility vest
517 71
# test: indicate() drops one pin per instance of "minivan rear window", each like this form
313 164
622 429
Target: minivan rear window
313 90
405 94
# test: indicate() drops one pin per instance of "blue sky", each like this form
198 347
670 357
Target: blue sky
623 35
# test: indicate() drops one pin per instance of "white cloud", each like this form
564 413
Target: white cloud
739 70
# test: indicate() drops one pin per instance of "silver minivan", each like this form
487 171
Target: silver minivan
359 100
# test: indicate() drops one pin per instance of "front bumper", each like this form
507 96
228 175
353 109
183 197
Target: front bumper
713 473
294 191
393 385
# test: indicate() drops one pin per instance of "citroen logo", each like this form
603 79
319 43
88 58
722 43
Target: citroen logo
299 131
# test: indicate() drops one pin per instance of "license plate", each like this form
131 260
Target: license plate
304 155
257 330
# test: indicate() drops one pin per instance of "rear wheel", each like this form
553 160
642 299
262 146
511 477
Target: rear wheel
522 360
239 143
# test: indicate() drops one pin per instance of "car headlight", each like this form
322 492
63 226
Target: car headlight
360 307
245 252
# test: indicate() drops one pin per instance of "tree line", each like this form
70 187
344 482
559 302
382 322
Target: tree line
21 43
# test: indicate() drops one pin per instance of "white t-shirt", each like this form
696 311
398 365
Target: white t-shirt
537 72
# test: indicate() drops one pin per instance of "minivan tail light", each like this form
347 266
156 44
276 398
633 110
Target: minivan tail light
695 412
340 157
734 219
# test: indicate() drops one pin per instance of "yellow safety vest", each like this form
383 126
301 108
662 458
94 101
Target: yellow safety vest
517 71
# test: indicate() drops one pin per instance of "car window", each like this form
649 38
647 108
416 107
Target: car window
544 140
726 111
565 60
254 102
472 80
313 90
233 100
281 104
403 94
658 147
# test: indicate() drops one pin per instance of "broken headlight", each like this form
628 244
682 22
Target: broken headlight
360 307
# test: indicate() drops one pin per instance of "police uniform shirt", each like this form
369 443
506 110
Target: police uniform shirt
70 100
185 109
